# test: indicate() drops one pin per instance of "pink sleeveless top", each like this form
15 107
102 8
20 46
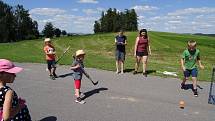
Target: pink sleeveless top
142 44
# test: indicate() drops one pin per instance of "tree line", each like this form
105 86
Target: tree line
51 31
16 24
113 21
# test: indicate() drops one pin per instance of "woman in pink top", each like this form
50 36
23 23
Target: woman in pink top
141 50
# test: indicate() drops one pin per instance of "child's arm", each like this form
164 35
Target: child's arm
182 65
200 64
8 110
75 67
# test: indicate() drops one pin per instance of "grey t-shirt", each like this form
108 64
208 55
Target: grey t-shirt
79 71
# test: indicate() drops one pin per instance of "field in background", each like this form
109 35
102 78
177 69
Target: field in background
166 51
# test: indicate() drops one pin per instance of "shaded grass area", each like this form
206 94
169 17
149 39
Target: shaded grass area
166 51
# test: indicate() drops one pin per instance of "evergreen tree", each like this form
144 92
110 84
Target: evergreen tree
7 19
113 21
57 32
26 28
133 19
64 32
97 27
48 30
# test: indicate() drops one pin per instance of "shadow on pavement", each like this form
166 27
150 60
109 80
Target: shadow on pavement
190 86
131 70
150 71
128 70
94 91
65 75
50 118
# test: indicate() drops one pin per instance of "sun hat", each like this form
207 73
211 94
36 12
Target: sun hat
79 52
9 67
47 40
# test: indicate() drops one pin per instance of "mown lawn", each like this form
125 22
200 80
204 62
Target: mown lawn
166 51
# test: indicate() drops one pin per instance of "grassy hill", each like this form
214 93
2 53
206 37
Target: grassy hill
166 51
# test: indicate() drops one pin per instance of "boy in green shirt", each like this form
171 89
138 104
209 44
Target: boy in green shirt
188 63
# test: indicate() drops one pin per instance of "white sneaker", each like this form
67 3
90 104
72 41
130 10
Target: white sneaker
117 72
80 101
121 72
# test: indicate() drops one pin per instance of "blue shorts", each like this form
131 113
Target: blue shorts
193 72
120 56
51 64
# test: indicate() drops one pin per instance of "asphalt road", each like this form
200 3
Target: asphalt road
117 97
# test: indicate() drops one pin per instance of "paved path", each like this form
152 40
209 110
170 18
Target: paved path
116 98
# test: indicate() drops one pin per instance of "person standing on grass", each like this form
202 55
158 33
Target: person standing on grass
50 57
120 42
141 51
12 108
188 64
77 67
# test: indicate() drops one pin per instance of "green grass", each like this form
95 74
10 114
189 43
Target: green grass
166 51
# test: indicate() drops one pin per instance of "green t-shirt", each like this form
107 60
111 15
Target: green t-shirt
191 58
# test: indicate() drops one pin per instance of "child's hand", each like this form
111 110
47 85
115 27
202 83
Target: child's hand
183 68
202 67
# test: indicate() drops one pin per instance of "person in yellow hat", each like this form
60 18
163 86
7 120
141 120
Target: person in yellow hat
77 67
50 52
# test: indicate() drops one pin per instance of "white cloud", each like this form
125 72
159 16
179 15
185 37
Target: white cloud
46 11
145 8
174 22
61 19
88 1
189 11
92 11
198 20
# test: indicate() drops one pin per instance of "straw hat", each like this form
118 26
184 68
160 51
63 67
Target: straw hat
47 40
79 52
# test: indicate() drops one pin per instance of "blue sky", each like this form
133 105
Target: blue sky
181 16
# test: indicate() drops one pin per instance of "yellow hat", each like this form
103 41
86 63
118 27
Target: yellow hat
79 52
47 40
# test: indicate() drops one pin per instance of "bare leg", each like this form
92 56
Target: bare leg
137 63
194 82
77 93
117 66
183 82
144 61
122 66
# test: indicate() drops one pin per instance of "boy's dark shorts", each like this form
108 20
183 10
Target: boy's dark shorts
193 72
120 56
141 54
51 64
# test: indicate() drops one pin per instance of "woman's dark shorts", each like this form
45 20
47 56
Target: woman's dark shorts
141 54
